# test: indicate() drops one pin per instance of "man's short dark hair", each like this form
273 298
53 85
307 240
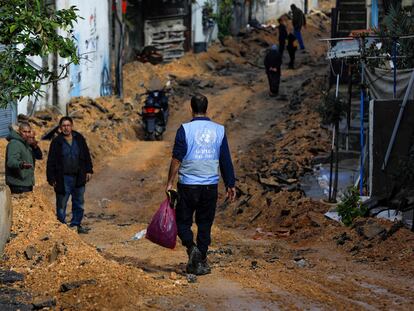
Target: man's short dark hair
199 104
65 118
24 124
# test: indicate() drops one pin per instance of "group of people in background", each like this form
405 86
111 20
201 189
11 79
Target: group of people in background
69 167
289 38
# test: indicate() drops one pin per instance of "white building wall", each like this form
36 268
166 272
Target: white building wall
85 79
92 35
273 9
198 33
29 104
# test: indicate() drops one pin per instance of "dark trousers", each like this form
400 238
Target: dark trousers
201 201
292 53
281 49
77 194
20 189
298 36
274 80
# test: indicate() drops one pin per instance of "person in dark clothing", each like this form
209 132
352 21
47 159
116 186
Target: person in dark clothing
282 36
21 154
292 46
272 64
298 21
69 168
199 151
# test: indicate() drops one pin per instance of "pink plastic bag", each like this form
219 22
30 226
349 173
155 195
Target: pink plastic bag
163 227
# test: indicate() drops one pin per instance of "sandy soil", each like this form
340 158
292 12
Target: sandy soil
271 250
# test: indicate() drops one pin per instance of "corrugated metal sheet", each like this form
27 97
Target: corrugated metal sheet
6 119
7 115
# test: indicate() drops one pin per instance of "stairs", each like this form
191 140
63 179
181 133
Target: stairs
352 15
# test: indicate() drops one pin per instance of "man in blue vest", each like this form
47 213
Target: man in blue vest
200 149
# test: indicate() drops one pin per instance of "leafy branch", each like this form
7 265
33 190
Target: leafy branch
29 28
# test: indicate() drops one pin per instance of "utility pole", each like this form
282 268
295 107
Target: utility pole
119 48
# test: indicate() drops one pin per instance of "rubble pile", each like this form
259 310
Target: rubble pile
377 240
269 185
60 268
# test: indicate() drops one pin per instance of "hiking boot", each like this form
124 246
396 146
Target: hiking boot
194 258
203 268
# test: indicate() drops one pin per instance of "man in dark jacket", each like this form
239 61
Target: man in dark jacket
298 21
69 168
282 35
200 149
21 152
272 64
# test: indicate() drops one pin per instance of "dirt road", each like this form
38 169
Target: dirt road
248 273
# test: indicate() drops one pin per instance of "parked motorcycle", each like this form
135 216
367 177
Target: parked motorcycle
155 112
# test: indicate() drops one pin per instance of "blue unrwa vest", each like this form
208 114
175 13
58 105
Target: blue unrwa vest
200 165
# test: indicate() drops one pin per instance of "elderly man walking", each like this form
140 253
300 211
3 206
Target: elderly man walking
200 149
21 153
69 168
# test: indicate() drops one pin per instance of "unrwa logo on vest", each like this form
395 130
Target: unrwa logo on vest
205 140
205 137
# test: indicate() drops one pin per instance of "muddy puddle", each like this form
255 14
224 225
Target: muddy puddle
316 183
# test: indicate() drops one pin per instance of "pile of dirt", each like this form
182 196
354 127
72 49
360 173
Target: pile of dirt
58 265
373 240
269 187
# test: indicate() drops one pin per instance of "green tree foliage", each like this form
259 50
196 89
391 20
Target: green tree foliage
350 206
31 28
332 108
395 24
224 17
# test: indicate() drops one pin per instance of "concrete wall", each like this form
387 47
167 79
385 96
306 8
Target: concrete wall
92 35
198 33
5 216
272 9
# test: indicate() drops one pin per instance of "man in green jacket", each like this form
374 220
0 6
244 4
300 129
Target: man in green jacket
21 152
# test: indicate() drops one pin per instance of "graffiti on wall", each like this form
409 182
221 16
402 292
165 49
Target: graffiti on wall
93 59
91 43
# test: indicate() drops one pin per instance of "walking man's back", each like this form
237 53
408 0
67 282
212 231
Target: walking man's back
200 149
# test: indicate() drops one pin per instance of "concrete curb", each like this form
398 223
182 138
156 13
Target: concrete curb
5 216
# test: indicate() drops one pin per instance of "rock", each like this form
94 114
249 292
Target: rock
211 66
302 263
65 287
203 84
76 114
43 115
371 230
317 219
342 238
8 277
173 276
395 227
270 182
128 107
44 303
54 253
191 278
30 252
98 106
44 238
